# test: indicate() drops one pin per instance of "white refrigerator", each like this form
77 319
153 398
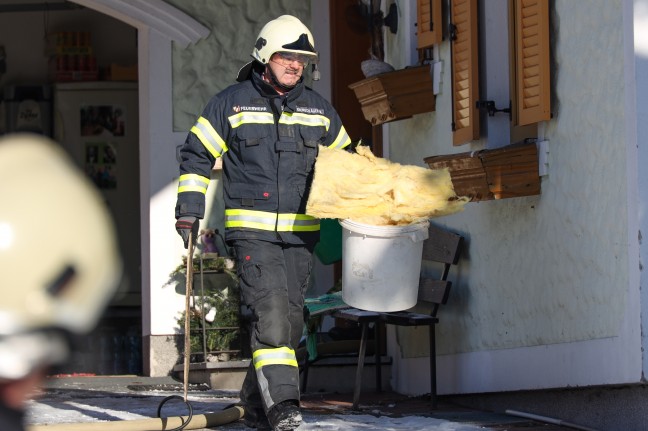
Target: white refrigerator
97 124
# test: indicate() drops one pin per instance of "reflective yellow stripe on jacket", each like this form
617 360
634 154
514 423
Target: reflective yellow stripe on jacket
193 183
311 120
342 139
270 221
278 356
305 119
247 117
209 137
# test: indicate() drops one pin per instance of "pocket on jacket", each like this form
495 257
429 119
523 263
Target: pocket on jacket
253 146
312 137
253 196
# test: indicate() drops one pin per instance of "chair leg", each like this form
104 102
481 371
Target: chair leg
433 377
305 374
361 359
377 349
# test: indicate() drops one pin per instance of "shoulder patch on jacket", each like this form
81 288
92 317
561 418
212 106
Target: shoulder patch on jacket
305 109
249 108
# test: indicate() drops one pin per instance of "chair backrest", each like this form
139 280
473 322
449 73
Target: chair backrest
444 247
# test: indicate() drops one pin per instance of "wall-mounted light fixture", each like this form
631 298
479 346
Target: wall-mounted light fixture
374 15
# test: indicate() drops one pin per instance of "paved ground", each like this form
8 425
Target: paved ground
93 399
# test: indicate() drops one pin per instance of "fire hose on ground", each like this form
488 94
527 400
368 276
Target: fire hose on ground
207 420
175 423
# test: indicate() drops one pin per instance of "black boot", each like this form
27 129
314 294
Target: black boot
255 417
285 416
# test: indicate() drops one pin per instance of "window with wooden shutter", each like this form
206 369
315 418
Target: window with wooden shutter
532 73
465 71
429 23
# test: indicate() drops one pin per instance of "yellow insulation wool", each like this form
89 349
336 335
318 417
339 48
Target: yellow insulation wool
373 190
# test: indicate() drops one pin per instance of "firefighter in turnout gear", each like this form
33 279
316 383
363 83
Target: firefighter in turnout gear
267 128
60 265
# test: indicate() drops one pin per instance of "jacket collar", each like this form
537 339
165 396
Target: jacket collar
266 90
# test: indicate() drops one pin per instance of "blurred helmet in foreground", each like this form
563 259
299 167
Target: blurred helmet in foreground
59 259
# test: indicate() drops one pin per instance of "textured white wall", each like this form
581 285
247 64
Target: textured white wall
641 69
546 281
203 69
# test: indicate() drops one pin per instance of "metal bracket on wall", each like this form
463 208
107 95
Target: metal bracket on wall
543 158
489 106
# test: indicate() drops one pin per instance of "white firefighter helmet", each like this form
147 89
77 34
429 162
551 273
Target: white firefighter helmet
59 259
284 34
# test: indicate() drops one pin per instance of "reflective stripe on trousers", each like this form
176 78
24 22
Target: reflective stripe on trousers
264 220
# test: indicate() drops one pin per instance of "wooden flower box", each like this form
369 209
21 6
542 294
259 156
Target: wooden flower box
395 95
507 172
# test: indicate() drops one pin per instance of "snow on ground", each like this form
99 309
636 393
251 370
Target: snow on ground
56 406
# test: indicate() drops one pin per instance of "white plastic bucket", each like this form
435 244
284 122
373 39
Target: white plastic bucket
381 265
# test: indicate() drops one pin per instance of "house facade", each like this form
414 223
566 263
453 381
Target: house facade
549 292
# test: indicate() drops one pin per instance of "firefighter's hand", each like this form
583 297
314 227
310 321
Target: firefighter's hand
187 225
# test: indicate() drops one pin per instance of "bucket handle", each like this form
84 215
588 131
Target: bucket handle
419 235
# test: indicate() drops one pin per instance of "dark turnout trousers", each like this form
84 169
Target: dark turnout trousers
273 278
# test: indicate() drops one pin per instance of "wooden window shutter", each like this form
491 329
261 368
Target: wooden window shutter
465 71
532 61
429 23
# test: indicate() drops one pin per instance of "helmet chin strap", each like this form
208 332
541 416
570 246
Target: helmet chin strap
275 82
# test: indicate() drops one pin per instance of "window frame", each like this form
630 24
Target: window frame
529 70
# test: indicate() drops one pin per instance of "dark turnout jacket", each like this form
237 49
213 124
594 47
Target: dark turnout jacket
268 145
